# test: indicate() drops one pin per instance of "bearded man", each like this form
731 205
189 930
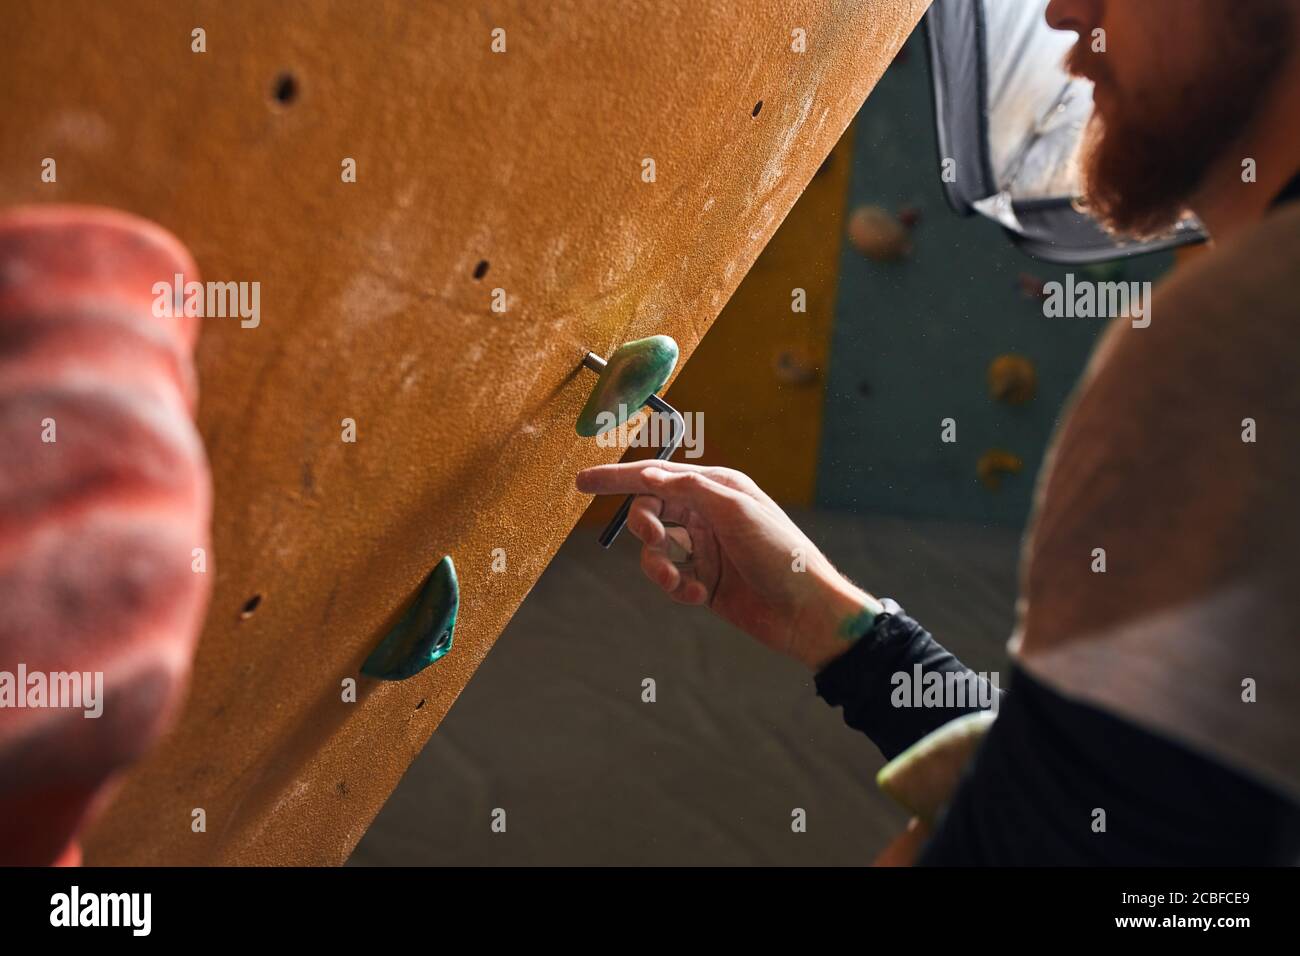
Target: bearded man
1153 715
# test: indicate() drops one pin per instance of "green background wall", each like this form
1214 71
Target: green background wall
912 340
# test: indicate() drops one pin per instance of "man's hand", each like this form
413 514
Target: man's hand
906 847
711 536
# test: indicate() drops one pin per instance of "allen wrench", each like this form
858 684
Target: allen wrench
656 404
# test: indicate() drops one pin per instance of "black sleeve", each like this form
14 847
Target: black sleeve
861 680
1057 782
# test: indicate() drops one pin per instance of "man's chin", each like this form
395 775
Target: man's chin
1129 186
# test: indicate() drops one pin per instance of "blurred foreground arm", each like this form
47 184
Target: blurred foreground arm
105 501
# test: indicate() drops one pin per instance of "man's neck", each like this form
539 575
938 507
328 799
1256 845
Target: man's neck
1230 201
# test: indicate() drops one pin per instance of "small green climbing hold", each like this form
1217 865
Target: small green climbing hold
424 633
634 372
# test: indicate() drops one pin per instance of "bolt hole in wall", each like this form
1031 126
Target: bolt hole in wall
285 89
250 606
481 269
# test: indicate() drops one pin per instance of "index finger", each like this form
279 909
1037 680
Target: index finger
684 484
626 477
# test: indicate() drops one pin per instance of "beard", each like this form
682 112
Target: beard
1144 157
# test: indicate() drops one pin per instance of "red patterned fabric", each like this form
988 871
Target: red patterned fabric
98 527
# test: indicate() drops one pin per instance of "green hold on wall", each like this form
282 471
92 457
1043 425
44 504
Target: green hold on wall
425 632
633 373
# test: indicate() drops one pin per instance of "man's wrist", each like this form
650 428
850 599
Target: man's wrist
837 617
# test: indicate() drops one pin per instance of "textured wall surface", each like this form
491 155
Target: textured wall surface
530 160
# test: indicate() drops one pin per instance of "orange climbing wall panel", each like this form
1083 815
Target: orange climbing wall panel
530 159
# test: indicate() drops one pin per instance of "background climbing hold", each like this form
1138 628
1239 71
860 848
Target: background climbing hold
1031 286
878 235
909 216
795 368
633 373
1113 271
995 463
1012 379
425 631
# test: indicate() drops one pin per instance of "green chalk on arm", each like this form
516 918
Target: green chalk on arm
854 627
425 632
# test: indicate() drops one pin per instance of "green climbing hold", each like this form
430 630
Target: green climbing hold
424 633
634 372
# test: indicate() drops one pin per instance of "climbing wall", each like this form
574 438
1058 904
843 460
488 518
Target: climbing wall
914 337
759 375
755 386
504 219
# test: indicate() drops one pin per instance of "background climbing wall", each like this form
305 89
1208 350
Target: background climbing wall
913 339
476 170
757 378
841 407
